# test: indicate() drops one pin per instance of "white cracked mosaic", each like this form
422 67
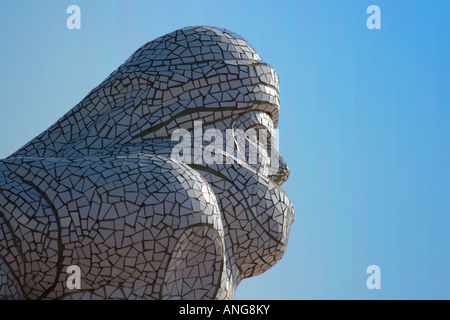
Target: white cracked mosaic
101 190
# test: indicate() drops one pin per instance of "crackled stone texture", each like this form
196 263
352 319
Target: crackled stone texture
101 188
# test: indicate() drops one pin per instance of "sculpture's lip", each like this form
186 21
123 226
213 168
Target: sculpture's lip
283 177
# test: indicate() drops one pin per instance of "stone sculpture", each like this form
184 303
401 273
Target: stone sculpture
103 189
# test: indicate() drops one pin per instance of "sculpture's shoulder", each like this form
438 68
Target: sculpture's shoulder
114 207
115 186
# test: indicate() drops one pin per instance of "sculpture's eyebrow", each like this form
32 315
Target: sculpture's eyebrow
257 125
255 118
261 130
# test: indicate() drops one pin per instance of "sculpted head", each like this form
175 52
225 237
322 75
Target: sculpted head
202 96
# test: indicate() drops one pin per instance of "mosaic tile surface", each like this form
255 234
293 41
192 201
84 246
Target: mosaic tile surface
101 189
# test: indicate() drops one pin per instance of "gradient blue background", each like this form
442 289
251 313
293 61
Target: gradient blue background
364 122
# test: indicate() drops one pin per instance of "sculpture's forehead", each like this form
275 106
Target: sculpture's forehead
194 45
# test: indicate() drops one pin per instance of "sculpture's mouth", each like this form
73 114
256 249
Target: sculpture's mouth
279 178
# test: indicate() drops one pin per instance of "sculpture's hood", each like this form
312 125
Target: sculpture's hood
193 45
202 73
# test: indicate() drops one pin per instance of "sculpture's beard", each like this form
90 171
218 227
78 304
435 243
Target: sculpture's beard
256 215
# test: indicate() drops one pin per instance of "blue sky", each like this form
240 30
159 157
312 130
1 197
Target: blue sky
364 122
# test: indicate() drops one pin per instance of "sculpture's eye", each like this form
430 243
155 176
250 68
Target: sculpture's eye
255 140
265 136
259 142
260 135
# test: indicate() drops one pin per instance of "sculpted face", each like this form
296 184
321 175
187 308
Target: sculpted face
249 195
158 158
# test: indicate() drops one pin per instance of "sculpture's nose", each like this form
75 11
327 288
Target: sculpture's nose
280 173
